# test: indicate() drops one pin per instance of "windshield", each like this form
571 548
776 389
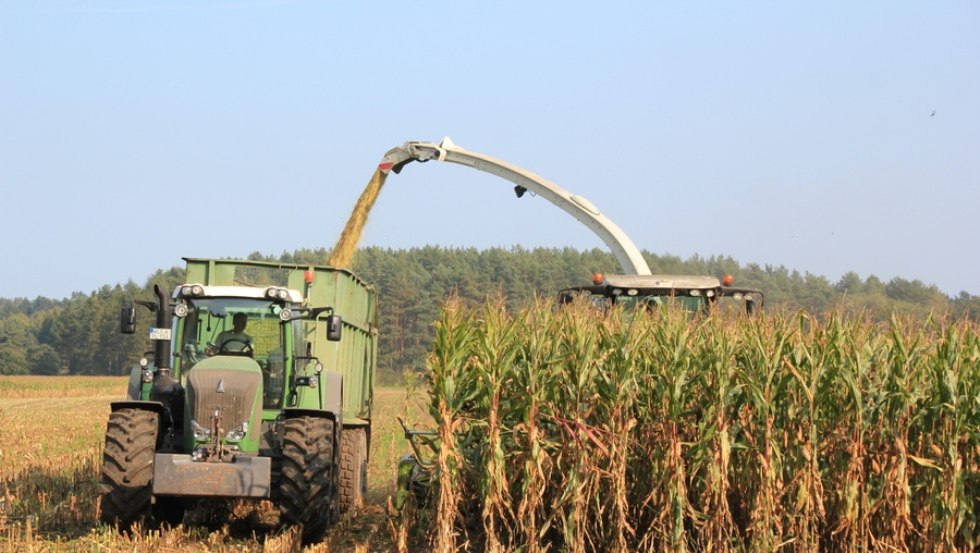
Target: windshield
605 300
653 302
230 326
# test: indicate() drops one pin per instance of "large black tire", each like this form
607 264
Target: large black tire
307 492
127 466
353 468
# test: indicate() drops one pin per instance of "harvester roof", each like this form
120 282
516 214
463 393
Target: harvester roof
667 285
665 282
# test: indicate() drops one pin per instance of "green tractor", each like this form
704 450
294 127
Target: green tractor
260 390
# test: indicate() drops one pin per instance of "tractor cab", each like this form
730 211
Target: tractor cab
215 323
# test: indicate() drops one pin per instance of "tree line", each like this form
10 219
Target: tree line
80 335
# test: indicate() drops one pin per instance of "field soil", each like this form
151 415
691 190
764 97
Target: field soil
51 439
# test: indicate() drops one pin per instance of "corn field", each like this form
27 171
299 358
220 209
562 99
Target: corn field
580 430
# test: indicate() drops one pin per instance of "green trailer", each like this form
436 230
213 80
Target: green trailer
260 386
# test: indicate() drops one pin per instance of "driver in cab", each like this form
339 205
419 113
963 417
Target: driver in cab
235 340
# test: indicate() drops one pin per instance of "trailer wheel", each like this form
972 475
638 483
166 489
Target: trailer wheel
308 484
127 466
353 468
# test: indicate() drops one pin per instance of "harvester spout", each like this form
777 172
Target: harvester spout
628 255
396 158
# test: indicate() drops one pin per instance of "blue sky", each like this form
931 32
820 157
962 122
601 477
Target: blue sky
826 137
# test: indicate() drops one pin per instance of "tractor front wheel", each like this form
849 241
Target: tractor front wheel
308 481
127 466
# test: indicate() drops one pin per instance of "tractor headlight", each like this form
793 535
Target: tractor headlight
237 434
314 381
147 375
180 310
191 290
200 433
277 293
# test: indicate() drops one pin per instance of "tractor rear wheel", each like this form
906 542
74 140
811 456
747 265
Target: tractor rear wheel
127 466
308 482
353 468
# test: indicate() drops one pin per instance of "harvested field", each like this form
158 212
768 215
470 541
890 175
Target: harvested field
51 439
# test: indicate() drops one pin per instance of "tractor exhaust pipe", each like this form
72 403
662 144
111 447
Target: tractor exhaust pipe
162 348
166 389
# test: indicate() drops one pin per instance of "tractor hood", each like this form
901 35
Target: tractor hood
228 362
230 386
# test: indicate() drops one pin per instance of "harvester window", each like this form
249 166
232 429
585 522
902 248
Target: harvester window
648 303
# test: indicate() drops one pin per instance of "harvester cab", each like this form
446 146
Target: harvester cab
254 391
695 293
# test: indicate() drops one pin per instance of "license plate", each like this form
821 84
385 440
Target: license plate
159 333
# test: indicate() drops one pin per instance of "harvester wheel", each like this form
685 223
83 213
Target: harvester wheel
353 468
308 484
127 466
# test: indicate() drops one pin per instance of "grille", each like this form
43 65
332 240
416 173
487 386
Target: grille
236 401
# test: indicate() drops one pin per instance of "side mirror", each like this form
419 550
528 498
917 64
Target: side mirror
127 320
334 328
